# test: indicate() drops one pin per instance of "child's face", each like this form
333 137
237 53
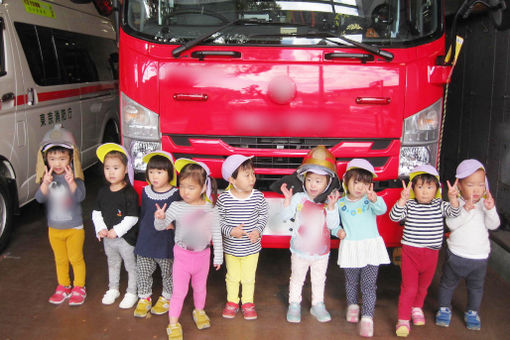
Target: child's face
473 186
245 180
58 161
424 191
315 184
356 189
114 170
159 179
191 191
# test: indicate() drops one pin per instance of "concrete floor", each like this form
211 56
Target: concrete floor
27 279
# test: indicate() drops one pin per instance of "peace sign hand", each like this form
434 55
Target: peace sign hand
489 201
332 199
371 195
405 193
160 212
453 193
69 175
47 178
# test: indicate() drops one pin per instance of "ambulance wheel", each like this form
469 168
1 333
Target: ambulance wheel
6 215
111 133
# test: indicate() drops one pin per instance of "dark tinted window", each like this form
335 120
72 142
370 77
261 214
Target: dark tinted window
2 50
60 57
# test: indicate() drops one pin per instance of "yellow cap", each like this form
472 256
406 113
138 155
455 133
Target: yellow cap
102 150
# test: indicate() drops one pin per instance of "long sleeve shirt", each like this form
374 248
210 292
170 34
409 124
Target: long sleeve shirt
313 223
423 226
252 212
195 227
469 237
63 207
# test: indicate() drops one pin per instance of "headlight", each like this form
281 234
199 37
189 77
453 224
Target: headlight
140 131
420 139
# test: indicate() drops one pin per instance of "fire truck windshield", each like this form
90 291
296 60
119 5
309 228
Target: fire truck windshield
283 23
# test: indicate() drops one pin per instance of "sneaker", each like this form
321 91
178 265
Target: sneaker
366 327
320 312
201 319
294 312
249 311
472 320
174 331
60 295
78 295
161 306
403 328
352 314
110 296
230 310
143 307
417 316
443 317
128 301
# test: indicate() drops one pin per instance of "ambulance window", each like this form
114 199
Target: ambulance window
49 58
28 36
76 63
3 71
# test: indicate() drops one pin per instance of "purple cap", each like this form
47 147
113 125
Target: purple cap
467 167
360 163
231 163
424 169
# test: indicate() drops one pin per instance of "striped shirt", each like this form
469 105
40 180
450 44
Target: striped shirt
424 223
252 212
195 227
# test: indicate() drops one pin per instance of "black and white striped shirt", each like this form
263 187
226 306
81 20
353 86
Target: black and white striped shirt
252 212
424 223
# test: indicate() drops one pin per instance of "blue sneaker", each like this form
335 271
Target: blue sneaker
443 317
294 313
320 312
472 320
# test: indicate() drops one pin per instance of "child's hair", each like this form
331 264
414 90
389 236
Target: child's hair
123 158
247 164
360 175
425 178
160 163
199 175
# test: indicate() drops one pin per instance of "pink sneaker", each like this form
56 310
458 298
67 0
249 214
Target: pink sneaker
366 327
78 295
60 295
249 311
230 310
417 316
352 314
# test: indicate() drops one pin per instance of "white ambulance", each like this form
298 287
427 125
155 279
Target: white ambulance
58 65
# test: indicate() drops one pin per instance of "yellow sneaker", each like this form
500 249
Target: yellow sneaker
174 332
201 319
143 307
161 306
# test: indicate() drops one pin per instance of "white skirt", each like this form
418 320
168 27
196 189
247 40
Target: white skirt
360 253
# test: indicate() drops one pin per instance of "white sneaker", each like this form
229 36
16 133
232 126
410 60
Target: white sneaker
128 301
110 296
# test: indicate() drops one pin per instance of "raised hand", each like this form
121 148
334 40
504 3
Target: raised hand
48 177
469 204
341 234
332 199
69 175
160 212
238 231
489 201
287 193
453 193
371 195
253 236
405 193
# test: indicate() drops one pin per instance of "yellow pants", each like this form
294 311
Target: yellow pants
67 245
241 270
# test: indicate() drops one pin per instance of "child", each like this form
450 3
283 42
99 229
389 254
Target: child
310 241
423 210
362 249
196 223
243 216
58 169
115 218
155 247
468 244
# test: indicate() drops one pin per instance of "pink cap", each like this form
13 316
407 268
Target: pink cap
361 163
425 169
231 163
467 167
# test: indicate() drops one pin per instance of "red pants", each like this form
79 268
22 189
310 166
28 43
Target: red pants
418 269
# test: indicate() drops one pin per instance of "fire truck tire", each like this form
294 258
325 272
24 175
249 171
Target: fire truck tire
6 215
111 134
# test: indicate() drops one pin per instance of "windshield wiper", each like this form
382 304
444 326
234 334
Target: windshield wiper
176 52
372 49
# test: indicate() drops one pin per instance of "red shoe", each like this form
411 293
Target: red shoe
60 295
78 295
230 310
249 311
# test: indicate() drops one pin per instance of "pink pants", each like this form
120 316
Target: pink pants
418 269
189 265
